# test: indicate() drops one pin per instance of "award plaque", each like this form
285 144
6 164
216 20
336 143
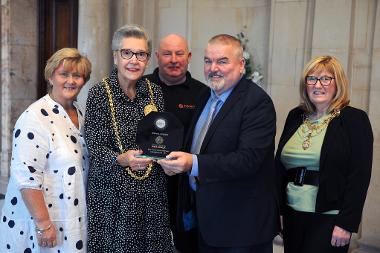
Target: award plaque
159 133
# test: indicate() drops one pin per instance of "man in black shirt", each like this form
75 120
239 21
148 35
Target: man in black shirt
180 93
179 88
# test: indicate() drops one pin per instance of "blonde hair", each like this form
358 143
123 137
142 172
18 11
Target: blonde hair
70 58
332 65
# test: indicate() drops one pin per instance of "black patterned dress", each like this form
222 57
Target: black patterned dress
124 214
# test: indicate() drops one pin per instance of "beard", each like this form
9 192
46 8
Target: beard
215 84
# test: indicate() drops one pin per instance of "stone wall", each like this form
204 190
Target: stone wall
19 38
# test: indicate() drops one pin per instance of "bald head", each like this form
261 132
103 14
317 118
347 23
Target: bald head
173 40
173 58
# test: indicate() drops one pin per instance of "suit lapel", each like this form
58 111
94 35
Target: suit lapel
234 97
331 131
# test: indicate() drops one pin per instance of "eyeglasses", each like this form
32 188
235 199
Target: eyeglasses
128 54
324 80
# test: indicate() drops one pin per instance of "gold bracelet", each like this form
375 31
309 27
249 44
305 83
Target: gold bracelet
40 231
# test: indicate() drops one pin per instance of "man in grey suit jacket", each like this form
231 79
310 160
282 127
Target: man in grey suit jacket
230 164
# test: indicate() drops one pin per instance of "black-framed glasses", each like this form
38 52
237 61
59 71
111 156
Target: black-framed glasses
324 80
128 54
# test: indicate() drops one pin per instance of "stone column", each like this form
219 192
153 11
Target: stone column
18 68
290 41
5 93
98 19
369 239
139 12
94 40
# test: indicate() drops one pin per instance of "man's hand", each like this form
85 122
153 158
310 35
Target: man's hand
340 237
176 162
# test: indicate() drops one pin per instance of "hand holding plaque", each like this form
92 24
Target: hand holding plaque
159 133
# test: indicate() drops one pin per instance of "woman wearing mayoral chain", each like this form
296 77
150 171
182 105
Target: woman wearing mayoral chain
324 158
127 200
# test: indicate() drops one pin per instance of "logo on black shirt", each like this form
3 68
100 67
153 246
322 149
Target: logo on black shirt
186 106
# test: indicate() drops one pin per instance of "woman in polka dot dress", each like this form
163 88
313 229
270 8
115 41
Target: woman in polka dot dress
127 200
45 203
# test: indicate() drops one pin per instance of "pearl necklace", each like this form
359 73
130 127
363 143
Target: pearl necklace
310 130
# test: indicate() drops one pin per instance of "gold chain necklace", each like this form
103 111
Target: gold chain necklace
147 109
312 130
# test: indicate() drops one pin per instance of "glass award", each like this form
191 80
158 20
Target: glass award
159 133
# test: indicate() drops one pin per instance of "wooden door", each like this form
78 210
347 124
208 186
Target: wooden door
58 28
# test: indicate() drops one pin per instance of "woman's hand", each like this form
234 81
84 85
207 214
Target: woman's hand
340 237
35 202
129 159
47 237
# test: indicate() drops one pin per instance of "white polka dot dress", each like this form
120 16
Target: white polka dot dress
49 154
125 214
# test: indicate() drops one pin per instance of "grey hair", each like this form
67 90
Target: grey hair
129 31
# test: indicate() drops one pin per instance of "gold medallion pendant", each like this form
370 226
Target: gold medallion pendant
150 108
311 129
306 142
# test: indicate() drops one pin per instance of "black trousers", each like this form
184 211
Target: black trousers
306 232
261 248
187 242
